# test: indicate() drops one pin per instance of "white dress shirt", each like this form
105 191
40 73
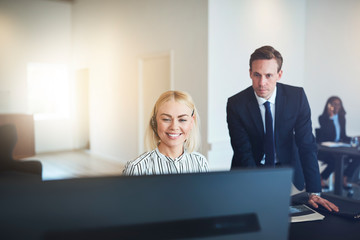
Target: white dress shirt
261 102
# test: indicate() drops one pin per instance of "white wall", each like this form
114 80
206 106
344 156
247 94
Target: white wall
212 41
110 36
236 29
33 31
332 57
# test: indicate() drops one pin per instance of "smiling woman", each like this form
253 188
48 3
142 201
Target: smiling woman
174 122
172 138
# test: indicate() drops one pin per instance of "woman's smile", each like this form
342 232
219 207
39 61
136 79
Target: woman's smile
174 135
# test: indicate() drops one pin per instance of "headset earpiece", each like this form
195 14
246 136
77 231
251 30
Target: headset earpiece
153 124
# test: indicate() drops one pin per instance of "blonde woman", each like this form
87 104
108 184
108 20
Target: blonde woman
172 138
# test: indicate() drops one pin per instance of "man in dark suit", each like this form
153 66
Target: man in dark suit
291 140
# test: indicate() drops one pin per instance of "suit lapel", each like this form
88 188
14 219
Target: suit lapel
254 110
279 110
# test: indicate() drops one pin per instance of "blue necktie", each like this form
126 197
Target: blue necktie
269 146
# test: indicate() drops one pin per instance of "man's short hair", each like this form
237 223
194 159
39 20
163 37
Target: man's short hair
266 52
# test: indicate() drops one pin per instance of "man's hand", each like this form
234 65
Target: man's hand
315 200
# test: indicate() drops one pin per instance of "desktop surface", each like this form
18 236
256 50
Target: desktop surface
335 226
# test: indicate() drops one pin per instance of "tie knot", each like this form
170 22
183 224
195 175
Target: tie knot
267 104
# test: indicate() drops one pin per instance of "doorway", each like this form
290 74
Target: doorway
155 77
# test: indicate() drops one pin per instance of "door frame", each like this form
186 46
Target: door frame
141 59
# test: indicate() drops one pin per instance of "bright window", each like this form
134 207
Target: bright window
48 90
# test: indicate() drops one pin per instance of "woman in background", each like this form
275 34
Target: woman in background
333 128
172 137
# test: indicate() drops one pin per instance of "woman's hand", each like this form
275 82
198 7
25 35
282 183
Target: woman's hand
330 110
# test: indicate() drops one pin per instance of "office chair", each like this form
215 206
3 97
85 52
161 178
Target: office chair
8 165
318 135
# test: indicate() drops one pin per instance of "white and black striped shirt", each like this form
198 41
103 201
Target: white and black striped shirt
156 163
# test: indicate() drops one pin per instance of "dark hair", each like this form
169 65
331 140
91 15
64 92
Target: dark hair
341 112
266 52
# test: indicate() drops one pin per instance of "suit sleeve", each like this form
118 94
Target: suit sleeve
327 128
307 147
239 138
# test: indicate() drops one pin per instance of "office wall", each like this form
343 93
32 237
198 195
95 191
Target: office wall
332 57
34 31
109 37
319 41
236 29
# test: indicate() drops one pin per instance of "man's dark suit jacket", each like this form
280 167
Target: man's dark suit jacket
294 142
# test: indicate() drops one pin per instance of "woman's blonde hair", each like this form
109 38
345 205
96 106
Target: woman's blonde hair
192 143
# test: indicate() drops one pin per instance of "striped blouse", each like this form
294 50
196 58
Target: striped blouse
156 163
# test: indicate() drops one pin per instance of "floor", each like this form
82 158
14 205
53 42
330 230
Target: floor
75 164
352 194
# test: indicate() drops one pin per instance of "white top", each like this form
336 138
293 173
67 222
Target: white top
156 163
335 118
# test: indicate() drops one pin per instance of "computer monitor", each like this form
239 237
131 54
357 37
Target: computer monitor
240 204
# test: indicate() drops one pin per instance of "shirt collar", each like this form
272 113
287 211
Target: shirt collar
261 100
169 158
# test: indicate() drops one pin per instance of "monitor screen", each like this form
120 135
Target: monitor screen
252 203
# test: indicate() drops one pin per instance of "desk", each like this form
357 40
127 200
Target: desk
342 153
332 227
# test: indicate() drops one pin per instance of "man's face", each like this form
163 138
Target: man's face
264 76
